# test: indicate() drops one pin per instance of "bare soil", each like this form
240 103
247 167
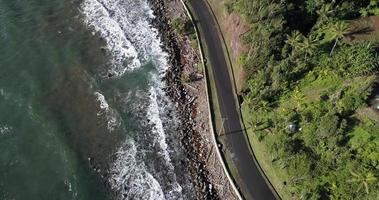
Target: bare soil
364 29
233 27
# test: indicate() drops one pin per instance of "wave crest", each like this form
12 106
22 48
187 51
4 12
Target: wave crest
124 55
130 178
111 116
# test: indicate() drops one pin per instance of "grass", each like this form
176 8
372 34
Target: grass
308 93
237 69
200 67
264 158
306 96
259 149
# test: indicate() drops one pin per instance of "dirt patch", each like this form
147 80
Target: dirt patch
364 29
370 113
233 27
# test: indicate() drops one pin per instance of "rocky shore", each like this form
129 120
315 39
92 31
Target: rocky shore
191 100
185 102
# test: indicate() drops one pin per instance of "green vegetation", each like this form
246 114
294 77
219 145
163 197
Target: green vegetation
185 78
200 68
371 9
306 97
184 27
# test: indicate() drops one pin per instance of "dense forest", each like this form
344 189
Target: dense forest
311 69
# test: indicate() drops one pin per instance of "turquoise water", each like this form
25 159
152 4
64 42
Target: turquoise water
83 112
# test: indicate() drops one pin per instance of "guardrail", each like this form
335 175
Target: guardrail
214 140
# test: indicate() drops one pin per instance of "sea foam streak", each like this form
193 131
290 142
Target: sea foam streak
4 130
124 24
154 113
133 16
111 116
130 178
124 55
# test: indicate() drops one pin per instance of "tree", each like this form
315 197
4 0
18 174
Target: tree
371 9
299 43
313 5
337 31
364 179
325 12
309 46
299 72
295 39
355 60
328 126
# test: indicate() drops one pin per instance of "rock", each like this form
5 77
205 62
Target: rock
184 102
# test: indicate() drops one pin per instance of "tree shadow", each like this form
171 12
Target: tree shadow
364 30
234 132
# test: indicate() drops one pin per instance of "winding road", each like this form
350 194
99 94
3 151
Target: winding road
250 180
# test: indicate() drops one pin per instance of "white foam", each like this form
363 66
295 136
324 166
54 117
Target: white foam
111 116
5 130
130 177
104 106
68 184
153 115
155 110
124 24
125 56
128 22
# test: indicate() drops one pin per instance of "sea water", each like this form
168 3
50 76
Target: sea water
83 112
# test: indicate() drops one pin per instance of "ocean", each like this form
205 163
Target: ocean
83 110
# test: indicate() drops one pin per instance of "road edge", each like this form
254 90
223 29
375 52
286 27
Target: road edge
239 109
214 140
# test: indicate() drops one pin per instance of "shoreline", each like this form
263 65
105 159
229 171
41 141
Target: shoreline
208 176
178 93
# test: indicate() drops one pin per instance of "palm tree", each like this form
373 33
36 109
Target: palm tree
299 98
309 46
363 179
300 43
337 31
295 39
325 12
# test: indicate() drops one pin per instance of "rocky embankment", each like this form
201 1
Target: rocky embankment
191 98
190 139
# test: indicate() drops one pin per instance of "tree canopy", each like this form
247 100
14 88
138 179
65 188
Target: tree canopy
303 71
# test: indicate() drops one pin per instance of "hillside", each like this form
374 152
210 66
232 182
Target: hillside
309 101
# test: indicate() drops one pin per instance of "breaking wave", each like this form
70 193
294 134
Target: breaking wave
130 178
125 27
156 113
112 122
124 55
143 167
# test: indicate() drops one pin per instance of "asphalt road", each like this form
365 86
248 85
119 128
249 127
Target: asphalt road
250 180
